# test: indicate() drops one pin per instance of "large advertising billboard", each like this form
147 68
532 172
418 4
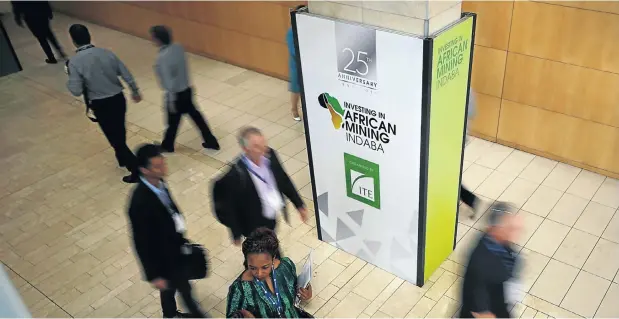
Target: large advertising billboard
362 92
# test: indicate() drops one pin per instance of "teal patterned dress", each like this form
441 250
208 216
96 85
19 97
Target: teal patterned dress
246 295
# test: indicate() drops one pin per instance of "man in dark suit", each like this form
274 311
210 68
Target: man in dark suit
255 187
37 15
490 283
158 229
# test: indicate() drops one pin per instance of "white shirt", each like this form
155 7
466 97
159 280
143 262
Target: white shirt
162 193
269 194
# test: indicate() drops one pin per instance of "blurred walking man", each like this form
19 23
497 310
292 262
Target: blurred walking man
158 229
254 188
171 69
488 287
37 15
93 72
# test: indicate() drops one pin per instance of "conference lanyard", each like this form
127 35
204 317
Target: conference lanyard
251 170
86 47
274 300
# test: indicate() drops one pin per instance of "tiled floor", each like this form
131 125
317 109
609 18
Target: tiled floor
63 231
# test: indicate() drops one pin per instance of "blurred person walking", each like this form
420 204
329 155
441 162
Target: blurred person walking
466 196
293 75
37 15
251 194
171 70
93 72
158 230
489 287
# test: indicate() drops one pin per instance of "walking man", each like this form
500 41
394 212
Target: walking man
255 187
37 15
158 229
93 72
489 285
171 69
466 196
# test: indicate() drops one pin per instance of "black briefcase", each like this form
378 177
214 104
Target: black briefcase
196 264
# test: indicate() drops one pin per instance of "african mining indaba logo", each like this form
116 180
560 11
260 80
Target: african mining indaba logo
362 180
364 127
356 56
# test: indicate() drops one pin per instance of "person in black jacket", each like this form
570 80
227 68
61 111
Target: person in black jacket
37 15
256 186
489 283
158 229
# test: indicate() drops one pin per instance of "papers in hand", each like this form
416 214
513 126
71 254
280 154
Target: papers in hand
306 274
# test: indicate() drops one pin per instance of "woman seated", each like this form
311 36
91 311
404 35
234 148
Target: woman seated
268 286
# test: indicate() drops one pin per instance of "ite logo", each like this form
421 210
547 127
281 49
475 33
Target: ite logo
362 180
335 109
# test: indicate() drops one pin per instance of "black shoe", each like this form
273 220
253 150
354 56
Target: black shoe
131 179
51 61
212 145
180 315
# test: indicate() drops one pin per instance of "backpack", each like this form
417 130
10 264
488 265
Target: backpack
221 205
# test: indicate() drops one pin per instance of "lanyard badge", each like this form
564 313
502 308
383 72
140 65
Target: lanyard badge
274 300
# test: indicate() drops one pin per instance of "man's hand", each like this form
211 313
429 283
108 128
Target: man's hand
304 214
137 97
160 283
486 314
247 314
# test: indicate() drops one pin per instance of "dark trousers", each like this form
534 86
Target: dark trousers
43 32
110 113
168 301
184 105
467 197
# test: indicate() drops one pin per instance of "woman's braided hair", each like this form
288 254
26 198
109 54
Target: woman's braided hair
261 240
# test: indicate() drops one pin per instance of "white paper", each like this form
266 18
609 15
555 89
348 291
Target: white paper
513 291
306 274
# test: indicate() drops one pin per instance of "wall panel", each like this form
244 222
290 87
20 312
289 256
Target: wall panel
580 92
493 23
250 34
486 121
602 6
488 70
575 36
567 137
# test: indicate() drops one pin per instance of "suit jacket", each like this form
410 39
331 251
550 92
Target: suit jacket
244 204
32 11
155 239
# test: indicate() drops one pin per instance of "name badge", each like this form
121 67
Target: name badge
179 223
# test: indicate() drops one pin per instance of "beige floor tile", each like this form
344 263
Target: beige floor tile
568 209
612 230
327 308
444 308
586 184
422 308
547 237
518 192
586 294
494 156
529 313
609 307
475 176
402 301
561 177
576 248
607 193
604 259
475 149
531 223
542 201
554 282
595 218
440 287
351 306
538 169
327 273
533 264
495 184
371 286
515 163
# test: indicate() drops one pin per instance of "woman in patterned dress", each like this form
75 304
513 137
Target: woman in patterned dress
268 286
